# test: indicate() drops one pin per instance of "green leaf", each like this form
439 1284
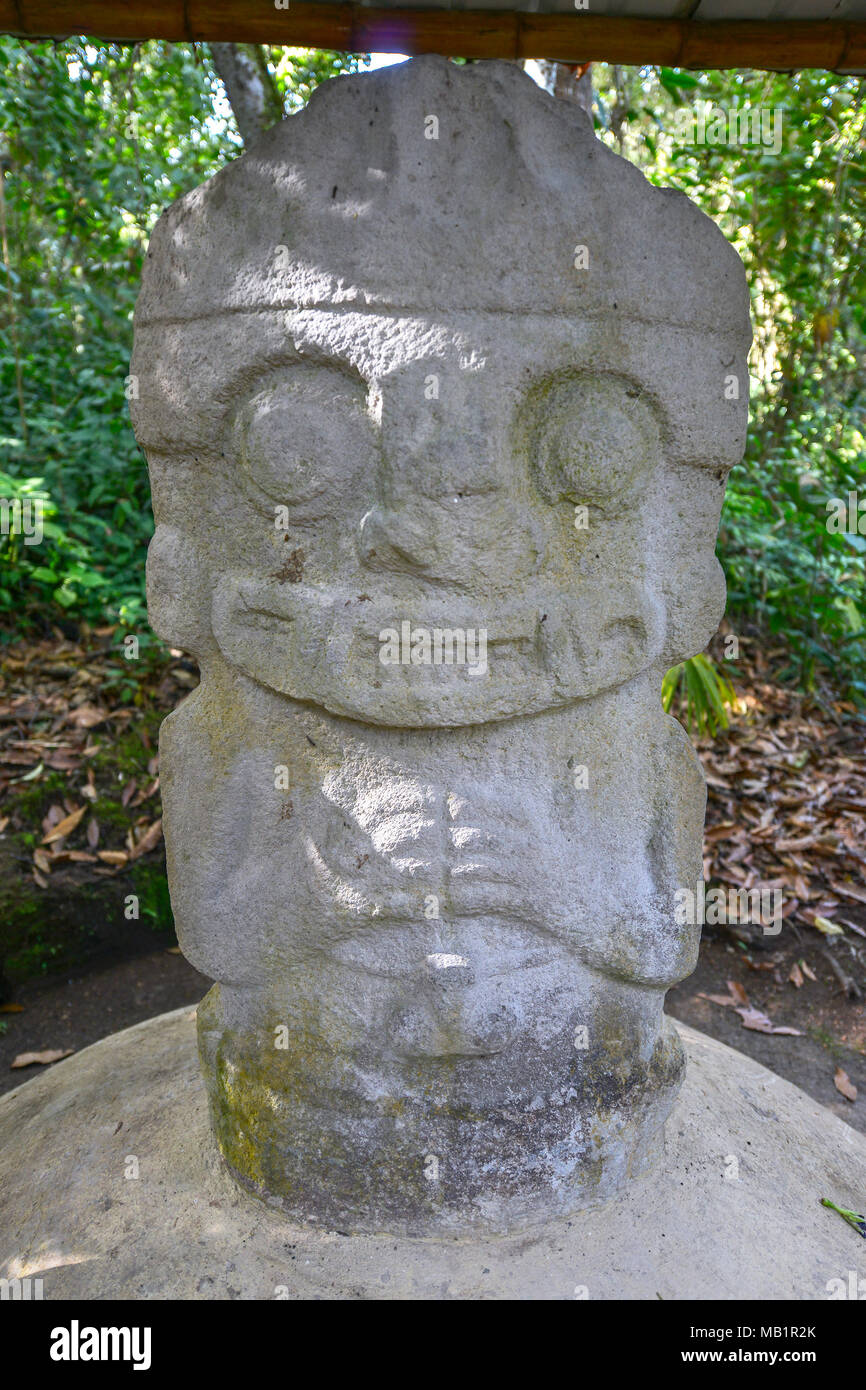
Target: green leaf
852 1217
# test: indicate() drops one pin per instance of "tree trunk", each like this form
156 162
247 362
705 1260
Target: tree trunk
570 82
250 87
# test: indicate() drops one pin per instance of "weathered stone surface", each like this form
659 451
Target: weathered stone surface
380 384
732 1212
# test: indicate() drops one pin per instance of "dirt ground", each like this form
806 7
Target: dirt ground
832 1026
87 1004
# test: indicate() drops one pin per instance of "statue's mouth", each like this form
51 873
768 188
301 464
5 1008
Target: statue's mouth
440 663
360 618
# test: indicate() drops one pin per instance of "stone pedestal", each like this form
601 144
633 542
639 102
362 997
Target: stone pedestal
731 1212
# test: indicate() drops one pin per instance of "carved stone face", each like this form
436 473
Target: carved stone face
382 400
477 475
456 512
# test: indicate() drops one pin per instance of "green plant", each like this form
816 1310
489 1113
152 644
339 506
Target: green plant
797 216
699 694
151 886
40 559
96 139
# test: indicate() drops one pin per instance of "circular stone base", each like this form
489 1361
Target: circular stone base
112 1187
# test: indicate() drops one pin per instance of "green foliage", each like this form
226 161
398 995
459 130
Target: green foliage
299 71
151 887
699 694
853 1218
97 139
54 568
798 219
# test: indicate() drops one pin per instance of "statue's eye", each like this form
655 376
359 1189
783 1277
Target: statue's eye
295 435
594 438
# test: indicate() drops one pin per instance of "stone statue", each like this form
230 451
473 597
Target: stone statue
438 397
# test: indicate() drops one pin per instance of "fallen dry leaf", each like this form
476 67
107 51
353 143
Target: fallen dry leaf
848 890
64 827
112 856
796 976
87 716
53 817
826 927
752 1018
149 840
844 1085
42 861
63 760
757 1022
29 1059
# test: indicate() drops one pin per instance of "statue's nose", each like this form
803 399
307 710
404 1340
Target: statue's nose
397 540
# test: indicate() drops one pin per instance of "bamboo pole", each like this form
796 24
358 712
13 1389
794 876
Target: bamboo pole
781 45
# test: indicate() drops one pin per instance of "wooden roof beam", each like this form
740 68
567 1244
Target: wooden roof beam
780 45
